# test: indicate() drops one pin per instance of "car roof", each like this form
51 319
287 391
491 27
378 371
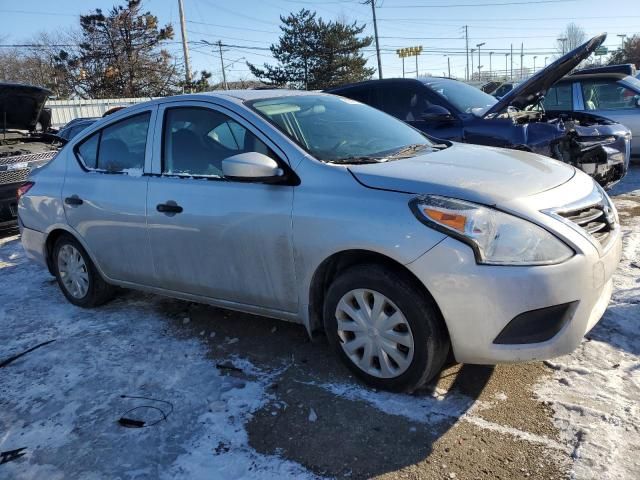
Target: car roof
593 76
248 95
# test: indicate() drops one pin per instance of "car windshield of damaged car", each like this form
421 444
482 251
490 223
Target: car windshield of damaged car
464 97
339 130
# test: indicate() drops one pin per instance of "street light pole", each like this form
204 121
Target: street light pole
622 37
564 42
479 66
506 69
471 72
490 53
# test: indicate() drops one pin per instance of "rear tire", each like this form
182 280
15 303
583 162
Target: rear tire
384 328
77 275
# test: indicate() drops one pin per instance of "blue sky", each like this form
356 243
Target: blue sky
250 26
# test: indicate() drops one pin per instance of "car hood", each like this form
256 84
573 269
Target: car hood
20 106
479 174
529 91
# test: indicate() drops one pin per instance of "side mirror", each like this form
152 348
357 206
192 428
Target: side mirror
252 167
436 113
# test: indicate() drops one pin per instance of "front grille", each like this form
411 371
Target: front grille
16 169
592 215
29 157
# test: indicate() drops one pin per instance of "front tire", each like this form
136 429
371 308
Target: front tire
384 328
77 276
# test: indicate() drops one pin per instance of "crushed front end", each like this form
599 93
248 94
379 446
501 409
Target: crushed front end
599 147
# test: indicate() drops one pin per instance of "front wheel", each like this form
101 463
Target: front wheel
384 328
77 276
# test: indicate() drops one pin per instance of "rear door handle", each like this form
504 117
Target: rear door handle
170 207
73 200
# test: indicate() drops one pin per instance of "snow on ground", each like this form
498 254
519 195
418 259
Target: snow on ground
62 401
595 391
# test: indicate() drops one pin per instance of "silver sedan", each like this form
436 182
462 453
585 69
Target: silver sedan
320 210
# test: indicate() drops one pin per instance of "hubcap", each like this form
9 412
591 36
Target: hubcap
73 271
374 333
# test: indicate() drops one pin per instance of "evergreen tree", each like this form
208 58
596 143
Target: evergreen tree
313 54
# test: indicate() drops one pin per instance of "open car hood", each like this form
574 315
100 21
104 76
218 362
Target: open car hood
529 91
20 106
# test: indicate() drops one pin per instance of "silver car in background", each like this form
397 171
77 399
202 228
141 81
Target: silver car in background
320 210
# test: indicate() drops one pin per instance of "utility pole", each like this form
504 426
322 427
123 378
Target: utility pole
375 32
534 63
448 65
185 48
466 37
490 54
224 75
521 59
416 65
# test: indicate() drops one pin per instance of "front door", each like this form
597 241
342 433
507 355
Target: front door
104 195
210 236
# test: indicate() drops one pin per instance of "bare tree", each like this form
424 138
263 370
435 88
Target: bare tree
571 37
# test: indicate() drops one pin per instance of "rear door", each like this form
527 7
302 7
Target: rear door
213 237
612 99
104 195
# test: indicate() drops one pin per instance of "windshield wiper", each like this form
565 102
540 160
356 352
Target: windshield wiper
357 159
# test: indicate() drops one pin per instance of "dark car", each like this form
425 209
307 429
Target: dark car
23 144
452 110
75 126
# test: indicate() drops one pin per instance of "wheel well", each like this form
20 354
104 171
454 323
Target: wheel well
52 238
331 267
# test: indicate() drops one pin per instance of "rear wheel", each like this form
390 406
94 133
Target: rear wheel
77 276
384 328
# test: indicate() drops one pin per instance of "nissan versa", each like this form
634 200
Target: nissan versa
321 210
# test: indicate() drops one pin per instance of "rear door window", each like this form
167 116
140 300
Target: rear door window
559 97
118 147
405 102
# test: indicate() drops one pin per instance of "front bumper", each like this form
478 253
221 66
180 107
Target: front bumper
479 301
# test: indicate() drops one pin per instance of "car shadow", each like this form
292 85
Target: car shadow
322 417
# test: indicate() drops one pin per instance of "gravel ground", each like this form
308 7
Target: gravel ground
254 398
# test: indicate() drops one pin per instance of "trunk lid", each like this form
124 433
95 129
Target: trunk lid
20 106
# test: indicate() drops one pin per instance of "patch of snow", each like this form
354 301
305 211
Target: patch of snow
63 400
595 391
133 172
313 416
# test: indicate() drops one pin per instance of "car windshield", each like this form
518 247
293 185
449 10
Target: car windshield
464 97
339 130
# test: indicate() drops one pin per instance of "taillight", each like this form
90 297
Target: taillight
24 188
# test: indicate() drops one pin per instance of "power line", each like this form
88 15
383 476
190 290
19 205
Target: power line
455 5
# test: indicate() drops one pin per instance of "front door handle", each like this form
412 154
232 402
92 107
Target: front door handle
169 208
73 200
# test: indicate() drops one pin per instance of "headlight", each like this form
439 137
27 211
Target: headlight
497 238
